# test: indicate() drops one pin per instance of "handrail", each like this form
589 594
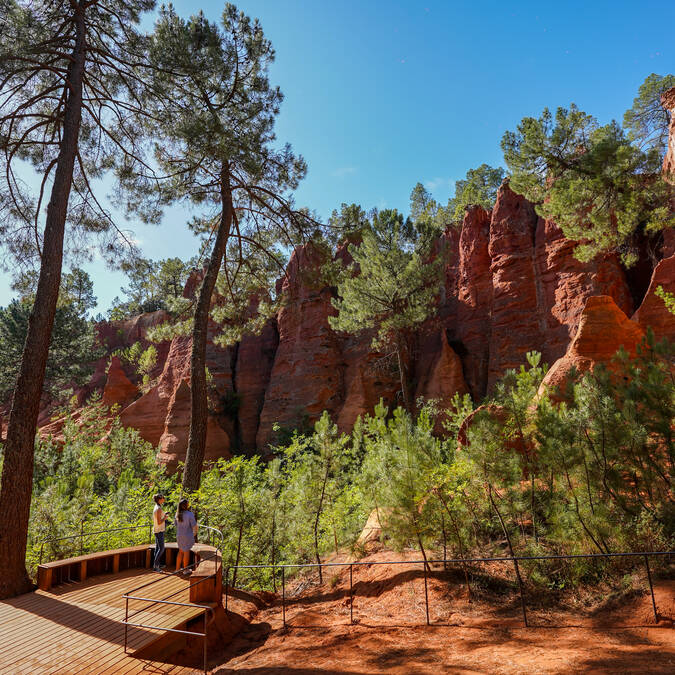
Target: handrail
203 635
83 534
426 563
91 533
165 600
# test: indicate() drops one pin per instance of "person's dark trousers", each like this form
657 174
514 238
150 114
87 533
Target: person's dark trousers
159 548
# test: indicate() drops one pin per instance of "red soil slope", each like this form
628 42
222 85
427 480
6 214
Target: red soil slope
614 635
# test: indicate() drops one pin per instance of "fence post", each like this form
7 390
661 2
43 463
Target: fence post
651 588
426 592
227 584
351 594
520 588
283 594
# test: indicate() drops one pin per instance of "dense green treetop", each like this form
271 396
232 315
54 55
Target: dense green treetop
72 350
647 121
599 183
478 187
153 285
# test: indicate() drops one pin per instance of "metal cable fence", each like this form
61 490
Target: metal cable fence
645 555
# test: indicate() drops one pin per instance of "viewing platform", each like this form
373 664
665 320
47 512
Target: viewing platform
108 612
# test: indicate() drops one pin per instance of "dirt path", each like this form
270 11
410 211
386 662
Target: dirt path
484 636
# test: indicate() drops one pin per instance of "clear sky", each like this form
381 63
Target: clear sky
382 94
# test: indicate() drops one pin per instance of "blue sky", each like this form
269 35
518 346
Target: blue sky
380 95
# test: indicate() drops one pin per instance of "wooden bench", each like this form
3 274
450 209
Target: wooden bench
207 559
80 567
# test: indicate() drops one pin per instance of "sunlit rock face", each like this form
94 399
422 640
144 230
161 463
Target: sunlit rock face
668 102
511 284
603 330
653 311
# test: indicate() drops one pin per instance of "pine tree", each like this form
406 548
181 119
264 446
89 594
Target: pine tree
69 87
600 184
389 289
402 456
213 108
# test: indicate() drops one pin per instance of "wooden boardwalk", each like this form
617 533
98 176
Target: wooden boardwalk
75 628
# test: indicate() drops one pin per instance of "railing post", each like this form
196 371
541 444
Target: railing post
283 594
351 594
206 632
126 625
651 588
426 592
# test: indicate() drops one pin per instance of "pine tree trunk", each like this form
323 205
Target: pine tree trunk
17 474
194 458
316 524
404 371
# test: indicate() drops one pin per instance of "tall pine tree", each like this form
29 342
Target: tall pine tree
69 104
214 109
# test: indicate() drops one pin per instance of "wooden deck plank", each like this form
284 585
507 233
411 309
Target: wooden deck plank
108 595
87 649
77 629
138 637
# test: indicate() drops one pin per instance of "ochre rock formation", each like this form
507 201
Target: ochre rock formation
668 102
306 378
653 311
174 440
474 298
565 284
445 377
603 330
511 284
255 358
119 389
517 324
162 415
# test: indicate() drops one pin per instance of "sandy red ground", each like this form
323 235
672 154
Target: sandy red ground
614 635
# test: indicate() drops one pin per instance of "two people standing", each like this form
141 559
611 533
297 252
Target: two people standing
186 530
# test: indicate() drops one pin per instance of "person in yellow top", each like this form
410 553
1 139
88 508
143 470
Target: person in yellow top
159 521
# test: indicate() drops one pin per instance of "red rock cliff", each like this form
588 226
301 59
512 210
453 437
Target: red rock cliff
511 285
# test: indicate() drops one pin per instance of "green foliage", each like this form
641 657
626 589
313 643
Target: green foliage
402 457
388 289
478 187
72 350
143 361
592 473
647 121
349 222
598 183
153 285
668 298
246 290
97 477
